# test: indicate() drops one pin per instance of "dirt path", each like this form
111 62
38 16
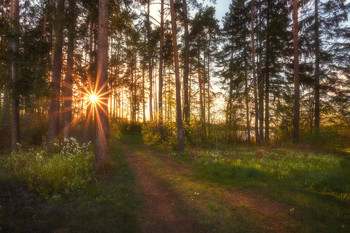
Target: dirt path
162 214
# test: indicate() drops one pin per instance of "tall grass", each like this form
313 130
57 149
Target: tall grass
64 168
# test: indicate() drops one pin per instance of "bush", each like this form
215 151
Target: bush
330 138
154 133
46 172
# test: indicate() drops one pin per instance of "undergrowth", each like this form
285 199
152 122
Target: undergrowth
61 169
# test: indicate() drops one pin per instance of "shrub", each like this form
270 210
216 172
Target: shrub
155 133
70 169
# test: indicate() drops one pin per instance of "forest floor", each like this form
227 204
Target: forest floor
153 190
177 200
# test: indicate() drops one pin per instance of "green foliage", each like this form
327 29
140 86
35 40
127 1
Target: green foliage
48 172
155 133
328 138
124 126
110 204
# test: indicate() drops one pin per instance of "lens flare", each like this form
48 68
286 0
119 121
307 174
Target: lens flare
93 98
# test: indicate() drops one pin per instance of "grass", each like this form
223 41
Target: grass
317 186
196 198
108 205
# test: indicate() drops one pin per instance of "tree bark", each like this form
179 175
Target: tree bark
208 90
317 70
143 95
54 110
247 99
267 79
15 131
149 62
296 74
68 84
161 39
180 132
260 83
186 65
254 72
101 123
6 108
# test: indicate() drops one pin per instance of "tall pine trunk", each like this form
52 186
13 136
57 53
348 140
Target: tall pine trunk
246 98
143 95
161 39
14 16
267 79
68 84
180 132
186 65
101 123
56 70
296 74
254 73
149 62
260 82
317 69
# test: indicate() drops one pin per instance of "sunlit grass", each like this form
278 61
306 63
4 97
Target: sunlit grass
316 185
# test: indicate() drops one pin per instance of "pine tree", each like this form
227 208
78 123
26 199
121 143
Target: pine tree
56 69
101 123
180 132
15 131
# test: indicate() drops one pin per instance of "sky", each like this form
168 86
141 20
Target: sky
221 8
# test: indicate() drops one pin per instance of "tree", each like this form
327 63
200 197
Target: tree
317 69
68 82
148 25
14 16
161 40
180 132
296 120
101 123
236 50
186 63
256 109
56 69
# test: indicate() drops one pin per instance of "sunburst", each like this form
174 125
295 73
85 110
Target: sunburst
95 101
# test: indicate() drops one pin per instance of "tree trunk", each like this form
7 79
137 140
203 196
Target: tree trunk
180 132
186 65
6 108
149 62
267 79
161 39
56 70
101 123
68 84
201 98
296 73
254 73
247 99
317 70
208 90
260 83
143 95
14 16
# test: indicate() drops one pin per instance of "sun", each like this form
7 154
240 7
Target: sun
93 98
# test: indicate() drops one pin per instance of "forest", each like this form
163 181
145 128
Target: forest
175 116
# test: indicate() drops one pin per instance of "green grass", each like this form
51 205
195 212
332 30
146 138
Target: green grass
317 186
108 205
196 198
